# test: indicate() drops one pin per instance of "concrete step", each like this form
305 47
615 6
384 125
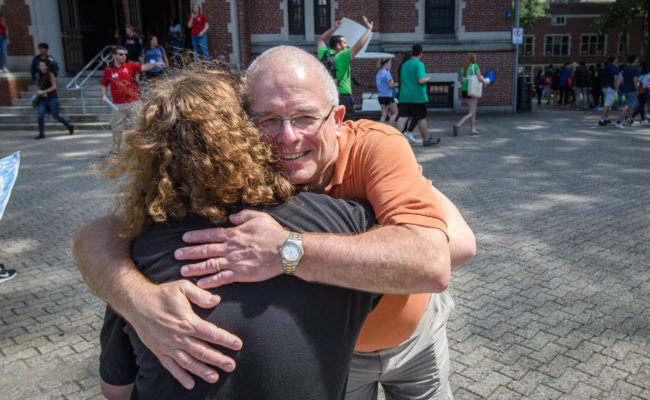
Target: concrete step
29 118
72 108
64 101
67 94
53 126
94 86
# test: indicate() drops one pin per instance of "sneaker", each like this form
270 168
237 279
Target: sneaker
5 69
6 274
635 123
71 130
475 133
644 121
409 136
619 125
602 123
607 121
430 142
40 137
599 108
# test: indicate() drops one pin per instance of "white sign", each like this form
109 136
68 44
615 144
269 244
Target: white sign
517 35
352 31
8 174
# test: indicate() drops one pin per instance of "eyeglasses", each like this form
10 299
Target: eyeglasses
307 124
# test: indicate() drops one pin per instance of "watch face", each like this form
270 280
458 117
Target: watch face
291 252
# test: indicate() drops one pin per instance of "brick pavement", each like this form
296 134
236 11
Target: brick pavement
554 306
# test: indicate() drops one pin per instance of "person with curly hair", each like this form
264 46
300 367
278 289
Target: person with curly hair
193 159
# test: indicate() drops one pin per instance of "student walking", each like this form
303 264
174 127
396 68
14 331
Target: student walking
644 82
48 100
470 68
385 85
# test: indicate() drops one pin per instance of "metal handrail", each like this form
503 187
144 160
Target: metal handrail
79 81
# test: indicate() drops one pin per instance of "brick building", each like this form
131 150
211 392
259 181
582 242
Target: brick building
241 29
567 36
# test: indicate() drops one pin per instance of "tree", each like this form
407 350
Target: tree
530 11
619 14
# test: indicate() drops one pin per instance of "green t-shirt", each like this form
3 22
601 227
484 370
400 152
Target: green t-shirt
411 91
342 62
471 70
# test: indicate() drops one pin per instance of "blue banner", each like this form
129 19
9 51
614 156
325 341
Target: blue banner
8 174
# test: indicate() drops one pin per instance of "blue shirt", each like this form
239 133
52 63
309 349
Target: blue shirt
152 55
628 78
382 79
565 73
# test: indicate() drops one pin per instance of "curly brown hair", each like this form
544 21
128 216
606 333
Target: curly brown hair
193 152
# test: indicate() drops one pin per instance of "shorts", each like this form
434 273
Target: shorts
415 369
386 100
610 95
630 99
465 95
347 101
122 118
416 110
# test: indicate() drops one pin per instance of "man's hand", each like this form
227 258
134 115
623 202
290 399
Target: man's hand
245 253
368 24
166 324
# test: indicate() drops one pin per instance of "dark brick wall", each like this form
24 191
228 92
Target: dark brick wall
266 17
487 16
10 89
219 39
16 15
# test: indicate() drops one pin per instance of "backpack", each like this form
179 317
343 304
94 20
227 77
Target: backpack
548 80
328 62
581 77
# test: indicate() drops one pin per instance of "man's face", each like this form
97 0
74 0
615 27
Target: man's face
343 44
288 91
119 56
42 51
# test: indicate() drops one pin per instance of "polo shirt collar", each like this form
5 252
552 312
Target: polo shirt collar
341 170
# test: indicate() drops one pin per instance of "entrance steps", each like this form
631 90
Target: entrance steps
22 116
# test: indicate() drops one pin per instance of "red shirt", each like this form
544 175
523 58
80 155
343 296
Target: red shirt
198 23
124 87
3 32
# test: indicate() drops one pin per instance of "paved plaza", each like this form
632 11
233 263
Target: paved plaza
556 304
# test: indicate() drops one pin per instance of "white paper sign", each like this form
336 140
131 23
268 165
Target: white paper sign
352 31
8 174
517 35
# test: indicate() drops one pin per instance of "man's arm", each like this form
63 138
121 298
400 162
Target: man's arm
325 35
148 66
161 314
354 50
103 89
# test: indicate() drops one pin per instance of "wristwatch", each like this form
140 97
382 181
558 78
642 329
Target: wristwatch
291 252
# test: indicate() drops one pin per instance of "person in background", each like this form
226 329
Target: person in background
198 23
597 98
4 41
132 44
470 68
631 75
175 38
413 96
385 85
121 76
565 85
548 84
644 82
580 84
48 99
152 53
343 56
43 55
539 86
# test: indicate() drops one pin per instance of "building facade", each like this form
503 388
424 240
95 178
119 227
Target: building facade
241 29
567 35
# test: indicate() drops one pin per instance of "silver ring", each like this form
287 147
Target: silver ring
216 260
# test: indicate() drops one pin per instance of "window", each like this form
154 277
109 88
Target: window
592 45
556 45
296 17
528 49
441 94
558 21
622 44
322 18
439 16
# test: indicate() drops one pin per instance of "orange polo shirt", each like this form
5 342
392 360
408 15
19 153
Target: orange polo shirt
376 163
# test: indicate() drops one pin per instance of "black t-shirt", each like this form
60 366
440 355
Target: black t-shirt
298 336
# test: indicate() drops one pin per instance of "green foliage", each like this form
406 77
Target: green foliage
619 14
531 11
